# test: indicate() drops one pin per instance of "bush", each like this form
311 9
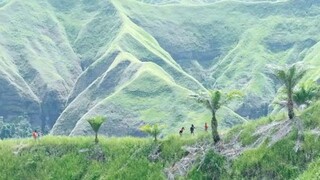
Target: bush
16 128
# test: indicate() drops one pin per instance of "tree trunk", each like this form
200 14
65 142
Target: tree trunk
96 139
290 105
214 128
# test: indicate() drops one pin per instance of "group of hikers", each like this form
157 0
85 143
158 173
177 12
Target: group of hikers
36 135
192 129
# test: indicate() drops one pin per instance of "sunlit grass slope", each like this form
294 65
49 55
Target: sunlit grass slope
79 158
54 157
228 44
278 160
66 60
38 64
133 81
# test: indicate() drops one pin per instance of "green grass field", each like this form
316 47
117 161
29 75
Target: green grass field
57 157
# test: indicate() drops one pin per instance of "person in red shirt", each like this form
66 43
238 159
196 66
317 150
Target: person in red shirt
35 134
205 126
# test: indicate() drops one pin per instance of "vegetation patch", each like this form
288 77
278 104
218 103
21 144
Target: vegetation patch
54 157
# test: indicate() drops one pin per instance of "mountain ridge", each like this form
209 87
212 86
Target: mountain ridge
59 58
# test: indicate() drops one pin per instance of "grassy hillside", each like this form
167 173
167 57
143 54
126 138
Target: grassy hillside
150 71
264 149
78 158
269 151
39 66
205 41
63 61
228 44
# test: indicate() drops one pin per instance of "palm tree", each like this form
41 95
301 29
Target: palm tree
153 130
95 124
213 100
289 77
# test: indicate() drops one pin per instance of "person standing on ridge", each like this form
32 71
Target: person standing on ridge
181 131
206 127
35 134
192 129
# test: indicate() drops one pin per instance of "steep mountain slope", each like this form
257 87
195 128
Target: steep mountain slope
38 65
228 44
104 55
133 82
138 61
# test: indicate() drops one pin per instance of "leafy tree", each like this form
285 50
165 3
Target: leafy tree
22 127
289 76
95 124
153 130
6 131
213 100
306 94
303 96
15 128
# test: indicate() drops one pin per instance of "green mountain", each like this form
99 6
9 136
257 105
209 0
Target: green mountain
137 61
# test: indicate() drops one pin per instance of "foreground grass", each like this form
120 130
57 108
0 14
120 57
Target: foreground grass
276 161
55 157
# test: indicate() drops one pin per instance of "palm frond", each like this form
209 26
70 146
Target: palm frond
297 73
214 99
96 122
289 76
203 98
306 94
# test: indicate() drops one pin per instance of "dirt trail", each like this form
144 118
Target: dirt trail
274 132
181 167
315 131
231 149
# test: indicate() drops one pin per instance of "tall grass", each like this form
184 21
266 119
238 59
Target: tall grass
277 161
58 157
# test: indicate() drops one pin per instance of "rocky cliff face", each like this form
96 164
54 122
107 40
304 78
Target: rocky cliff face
137 62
